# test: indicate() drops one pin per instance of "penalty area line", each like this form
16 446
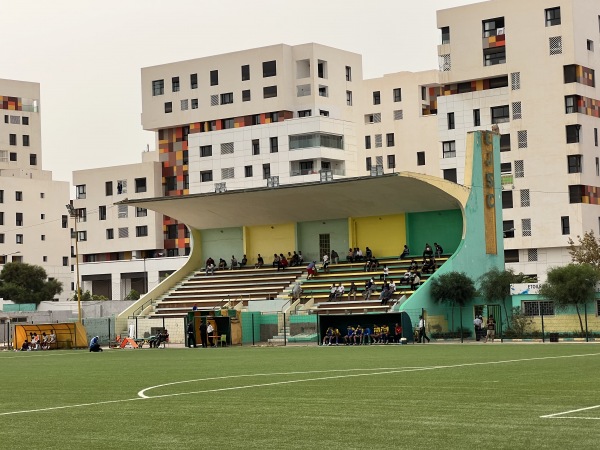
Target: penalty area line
558 415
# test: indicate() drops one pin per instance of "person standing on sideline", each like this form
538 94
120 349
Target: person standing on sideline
422 326
477 324
209 331
203 334
491 328
191 336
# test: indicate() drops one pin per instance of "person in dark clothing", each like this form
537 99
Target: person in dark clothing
203 335
95 344
191 335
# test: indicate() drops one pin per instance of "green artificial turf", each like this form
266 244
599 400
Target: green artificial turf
413 396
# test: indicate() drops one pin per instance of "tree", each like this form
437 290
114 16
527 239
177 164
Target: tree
495 285
133 295
519 322
453 288
87 296
26 283
573 285
587 251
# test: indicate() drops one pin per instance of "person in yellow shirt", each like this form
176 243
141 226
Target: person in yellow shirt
385 332
335 336
376 333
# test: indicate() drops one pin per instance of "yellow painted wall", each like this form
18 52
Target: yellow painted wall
384 235
566 323
269 239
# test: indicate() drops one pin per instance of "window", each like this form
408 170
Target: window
505 142
123 212
570 73
450 120
449 149
445 35
12 139
450 175
65 221
397 94
32 159
1 238
493 27
65 261
391 161
266 171
172 232
373 118
227 124
214 77
158 87
227 98
123 232
305 113
206 176
493 56
273 117
500 114
508 229
564 225
19 238
378 141
25 120
507 199
246 95
367 142
322 69
269 69
376 97
141 212
269 91
141 231
348 98
168 107
590 45
214 101
368 163
323 91
255 147
175 84
248 171
82 236
13 156
552 16
102 212
389 139
227 148
574 163
476 118
194 103
323 113
596 137
538 308
194 81
525 198
273 144
571 104
19 219
80 191
121 187
597 166
25 140
245 72
140 185
420 158
348 73
226 173
576 193
555 45
184 104
423 93
108 188
573 133
205 150
526 227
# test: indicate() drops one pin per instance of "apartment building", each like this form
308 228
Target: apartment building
122 247
34 226
528 68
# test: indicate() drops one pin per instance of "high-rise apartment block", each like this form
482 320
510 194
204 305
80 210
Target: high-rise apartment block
34 225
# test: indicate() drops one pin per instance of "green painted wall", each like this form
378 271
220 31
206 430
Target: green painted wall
308 237
443 227
222 243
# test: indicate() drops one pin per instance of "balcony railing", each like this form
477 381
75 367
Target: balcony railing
296 173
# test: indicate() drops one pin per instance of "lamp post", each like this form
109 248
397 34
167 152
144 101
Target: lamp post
73 214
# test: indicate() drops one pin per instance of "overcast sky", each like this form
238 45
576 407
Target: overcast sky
87 55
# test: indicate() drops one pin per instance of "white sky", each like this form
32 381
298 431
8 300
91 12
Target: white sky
87 55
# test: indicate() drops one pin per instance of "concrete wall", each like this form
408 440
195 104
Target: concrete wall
443 227
222 243
384 235
308 237
269 239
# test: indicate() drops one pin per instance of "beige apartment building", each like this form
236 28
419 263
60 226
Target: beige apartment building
34 225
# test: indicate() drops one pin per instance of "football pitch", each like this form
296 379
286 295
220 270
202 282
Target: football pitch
368 397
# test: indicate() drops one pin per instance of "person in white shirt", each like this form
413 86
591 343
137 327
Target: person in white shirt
339 293
332 292
209 331
477 323
325 263
422 327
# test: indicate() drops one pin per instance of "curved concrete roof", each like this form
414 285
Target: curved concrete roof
403 192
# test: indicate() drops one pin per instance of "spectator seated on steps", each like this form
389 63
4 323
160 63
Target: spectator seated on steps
243 262
427 252
428 265
259 262
405 252
222 264
234 263
438 250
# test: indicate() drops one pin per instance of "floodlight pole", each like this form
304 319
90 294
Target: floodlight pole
73 214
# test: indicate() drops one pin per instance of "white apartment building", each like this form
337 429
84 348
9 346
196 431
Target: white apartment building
34 226
528 68
120 247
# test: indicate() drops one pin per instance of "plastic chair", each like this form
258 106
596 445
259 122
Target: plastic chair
223 340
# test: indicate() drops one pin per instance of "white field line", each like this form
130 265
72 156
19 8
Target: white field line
555 415
386 371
